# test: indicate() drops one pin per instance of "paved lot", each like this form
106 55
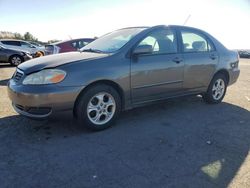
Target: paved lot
178 143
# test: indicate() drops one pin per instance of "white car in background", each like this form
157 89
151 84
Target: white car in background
23 45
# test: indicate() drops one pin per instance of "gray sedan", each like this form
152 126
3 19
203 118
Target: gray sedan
14 57
124 69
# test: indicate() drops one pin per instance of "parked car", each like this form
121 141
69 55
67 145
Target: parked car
244 53
14 57
23 46
36 44
124 69
67 46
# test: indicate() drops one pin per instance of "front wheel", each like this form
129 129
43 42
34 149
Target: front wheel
216 90
98 107
15 60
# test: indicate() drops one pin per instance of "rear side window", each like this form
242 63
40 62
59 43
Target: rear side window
162 41
13 43
194 42
79 44
25 44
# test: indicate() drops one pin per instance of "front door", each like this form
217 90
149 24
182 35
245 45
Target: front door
158 74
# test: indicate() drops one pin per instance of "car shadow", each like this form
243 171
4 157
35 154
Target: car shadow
174 143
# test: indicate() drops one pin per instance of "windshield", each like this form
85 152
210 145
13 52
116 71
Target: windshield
113 41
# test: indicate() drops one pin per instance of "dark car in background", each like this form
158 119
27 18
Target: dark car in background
22 46
14 57
124 69
244 53
67 46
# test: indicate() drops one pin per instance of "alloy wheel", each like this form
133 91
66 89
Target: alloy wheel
16 60
218 89
101 108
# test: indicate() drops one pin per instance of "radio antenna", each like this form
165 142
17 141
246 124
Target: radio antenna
187 19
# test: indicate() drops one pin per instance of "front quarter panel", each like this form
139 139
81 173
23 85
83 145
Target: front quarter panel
113 68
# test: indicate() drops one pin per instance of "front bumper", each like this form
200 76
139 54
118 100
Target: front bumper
43 100
27 57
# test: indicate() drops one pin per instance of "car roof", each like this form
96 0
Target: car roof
13 40
163 26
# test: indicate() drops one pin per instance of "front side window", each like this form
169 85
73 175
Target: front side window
113 41
193 42
162 41
25 44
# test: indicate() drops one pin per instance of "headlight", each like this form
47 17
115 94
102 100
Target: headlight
25 53
47 76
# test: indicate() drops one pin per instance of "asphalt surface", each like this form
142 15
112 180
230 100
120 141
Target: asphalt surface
177 143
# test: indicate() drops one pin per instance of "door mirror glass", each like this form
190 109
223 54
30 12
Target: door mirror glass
143 49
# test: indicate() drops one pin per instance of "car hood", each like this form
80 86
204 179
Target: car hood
56 60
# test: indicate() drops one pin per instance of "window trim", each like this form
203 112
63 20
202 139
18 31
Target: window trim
18 43
155 54
199 33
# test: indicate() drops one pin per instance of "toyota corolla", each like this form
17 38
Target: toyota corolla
124 69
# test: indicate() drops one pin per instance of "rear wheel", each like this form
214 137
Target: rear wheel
216 90
98 107
15 60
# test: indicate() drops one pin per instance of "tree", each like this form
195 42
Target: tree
18 36
29 37
53 41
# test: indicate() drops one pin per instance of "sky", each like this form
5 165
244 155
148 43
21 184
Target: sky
227 20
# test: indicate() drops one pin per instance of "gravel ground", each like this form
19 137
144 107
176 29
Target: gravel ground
178 143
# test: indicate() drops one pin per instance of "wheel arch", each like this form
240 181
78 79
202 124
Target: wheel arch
224 72
111 83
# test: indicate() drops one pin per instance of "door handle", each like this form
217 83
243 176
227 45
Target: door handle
177 60
213 56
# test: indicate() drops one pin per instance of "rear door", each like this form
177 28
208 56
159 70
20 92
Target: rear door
200 59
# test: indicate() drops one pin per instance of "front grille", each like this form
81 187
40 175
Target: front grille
17 76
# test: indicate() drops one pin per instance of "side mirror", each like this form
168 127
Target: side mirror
143 49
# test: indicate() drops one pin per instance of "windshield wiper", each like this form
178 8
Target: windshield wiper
92 50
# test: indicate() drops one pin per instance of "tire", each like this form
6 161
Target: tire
98 107
217 85
15 60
